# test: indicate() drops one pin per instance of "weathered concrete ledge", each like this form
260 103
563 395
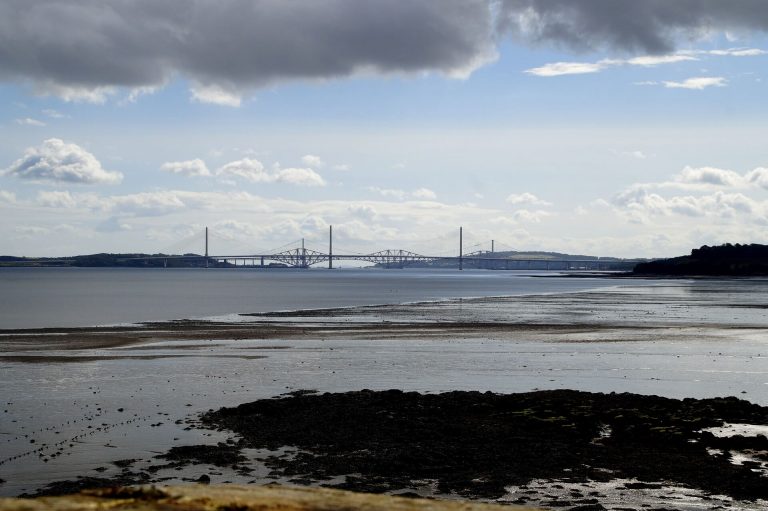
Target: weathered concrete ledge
238 498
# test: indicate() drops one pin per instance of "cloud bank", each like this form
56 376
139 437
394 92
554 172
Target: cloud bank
711 192
83 49
649 26
86 50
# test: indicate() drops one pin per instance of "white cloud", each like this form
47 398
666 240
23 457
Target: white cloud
56 199
254 171
364 211
759 177
146 203
56 161
714 199
357 230
114 224
394 193
28 121
698 83
234 229
216 95
76 94
703 178
524 215
710 176
424 193
312 161
343 167
566 68
639 203
298 176
194 168
739 52
526 198
655 60
247 168
137 204
136 92
574 68
388 192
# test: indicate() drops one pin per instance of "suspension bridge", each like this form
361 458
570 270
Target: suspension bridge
303 257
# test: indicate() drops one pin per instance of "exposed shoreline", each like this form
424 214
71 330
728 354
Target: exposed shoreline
619 338
605 449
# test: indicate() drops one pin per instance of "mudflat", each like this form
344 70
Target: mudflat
115 337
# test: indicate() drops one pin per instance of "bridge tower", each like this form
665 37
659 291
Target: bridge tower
461 248
330 247
206 247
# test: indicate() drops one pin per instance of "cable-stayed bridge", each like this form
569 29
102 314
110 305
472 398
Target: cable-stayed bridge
303 257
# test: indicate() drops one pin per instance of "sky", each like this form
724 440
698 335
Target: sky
604 127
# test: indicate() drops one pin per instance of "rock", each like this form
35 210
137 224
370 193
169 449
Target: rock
475 444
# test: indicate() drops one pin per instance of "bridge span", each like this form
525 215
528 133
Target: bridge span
302 257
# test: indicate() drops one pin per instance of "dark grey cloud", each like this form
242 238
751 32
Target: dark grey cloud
81 48
652 26
236 44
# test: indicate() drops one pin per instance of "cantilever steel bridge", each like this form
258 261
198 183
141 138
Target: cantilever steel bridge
304 258
392 258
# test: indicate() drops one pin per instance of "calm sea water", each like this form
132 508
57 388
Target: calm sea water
58 297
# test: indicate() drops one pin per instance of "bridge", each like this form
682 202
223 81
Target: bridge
303 257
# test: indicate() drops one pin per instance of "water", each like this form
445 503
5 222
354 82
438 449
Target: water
71 297
672 338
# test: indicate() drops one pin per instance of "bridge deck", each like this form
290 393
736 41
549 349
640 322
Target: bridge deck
297 258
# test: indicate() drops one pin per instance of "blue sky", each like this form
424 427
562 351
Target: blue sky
593 145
